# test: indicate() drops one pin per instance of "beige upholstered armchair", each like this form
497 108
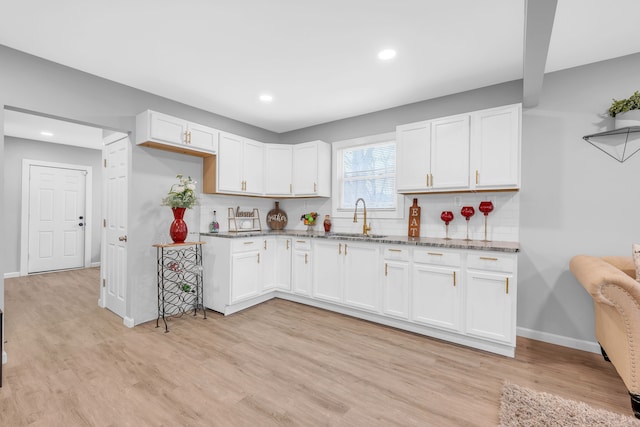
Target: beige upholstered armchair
616 303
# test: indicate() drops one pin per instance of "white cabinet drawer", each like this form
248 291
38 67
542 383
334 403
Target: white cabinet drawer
436 257
491 261
395 253
242 245
301 244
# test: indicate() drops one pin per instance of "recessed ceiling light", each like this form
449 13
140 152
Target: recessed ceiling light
387 54
45 133
266 97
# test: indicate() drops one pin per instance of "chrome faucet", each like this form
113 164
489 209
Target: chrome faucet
365 228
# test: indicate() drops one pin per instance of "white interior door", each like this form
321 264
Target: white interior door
114 269
57 218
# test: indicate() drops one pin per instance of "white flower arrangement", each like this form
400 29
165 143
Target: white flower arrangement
182 194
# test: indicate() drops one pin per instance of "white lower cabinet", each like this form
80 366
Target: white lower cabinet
463 296
345 272
395 283
301 267
491 297
361 276
284 249
436 287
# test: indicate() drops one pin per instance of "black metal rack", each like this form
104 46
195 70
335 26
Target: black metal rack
616 143
179 280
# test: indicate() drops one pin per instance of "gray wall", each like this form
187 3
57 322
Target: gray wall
15 150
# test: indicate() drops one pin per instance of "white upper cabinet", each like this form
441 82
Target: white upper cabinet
240 165
312 169
474 151
495 154
413 156
279 169
450 153
170 133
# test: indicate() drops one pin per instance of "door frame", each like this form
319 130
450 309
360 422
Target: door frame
24 221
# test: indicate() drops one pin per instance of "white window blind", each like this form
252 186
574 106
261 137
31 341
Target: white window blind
369 171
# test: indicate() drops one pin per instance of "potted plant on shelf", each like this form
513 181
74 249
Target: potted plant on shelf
181 196
626 112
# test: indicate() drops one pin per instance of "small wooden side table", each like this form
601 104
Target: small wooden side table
180 278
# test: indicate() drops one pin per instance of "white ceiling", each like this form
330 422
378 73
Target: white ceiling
317 59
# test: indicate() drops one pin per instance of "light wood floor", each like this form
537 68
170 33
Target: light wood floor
280 363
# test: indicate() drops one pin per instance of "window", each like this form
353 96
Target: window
366 167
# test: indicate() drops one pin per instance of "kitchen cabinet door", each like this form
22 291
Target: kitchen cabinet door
268 259
312 169
283 263
436 296
395 289
495 146
253 167
327 271
301 272
279 167
450 153
203 137
361 275
413 154
245 275
230 161
491 305
167 128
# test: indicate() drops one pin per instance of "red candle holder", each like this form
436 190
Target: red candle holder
447 217
467 212
485 207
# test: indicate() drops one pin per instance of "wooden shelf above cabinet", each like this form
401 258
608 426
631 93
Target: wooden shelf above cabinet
209 175
175 149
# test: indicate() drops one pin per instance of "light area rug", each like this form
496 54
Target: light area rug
520 406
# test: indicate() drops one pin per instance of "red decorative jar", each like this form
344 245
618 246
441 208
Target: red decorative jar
178 230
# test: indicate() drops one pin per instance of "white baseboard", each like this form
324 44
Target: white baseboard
592 347
128 322
94 264
12 275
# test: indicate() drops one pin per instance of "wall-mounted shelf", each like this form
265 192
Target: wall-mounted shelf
619 143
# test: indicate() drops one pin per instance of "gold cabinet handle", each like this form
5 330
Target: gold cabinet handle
385 268
435 253
454 279
315 187
306 258
395 250
345 249
301 241
186 137
265 244
248 243
287 244
189 137
477 176
427 180
507 285
488 258
290 188
339 248
258 258
431 175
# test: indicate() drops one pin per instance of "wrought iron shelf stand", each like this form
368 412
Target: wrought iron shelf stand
179 280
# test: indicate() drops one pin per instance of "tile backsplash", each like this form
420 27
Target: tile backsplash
502 225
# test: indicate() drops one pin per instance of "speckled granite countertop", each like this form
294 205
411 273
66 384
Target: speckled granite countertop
382 239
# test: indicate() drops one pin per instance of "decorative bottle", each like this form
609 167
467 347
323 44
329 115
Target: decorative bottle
214 227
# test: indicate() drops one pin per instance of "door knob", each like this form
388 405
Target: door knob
80 217
80 224
122 238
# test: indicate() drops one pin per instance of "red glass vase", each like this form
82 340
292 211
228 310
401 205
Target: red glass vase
178 229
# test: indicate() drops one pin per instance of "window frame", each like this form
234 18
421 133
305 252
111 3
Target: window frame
336 178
